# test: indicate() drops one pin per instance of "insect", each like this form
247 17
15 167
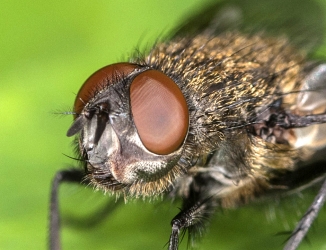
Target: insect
219 115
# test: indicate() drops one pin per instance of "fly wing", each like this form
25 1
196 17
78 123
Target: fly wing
297 20
312 100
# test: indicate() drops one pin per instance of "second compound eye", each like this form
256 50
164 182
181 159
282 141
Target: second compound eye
160 112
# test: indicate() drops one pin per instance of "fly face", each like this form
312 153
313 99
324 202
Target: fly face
218 118
133 121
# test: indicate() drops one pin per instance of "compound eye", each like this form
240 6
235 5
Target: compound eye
98 81
160 112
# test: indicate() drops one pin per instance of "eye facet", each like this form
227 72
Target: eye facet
160 112
98 80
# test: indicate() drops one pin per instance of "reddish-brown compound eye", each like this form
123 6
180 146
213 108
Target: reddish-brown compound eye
160 112
98 80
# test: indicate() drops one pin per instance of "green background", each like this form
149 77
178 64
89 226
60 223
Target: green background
47 50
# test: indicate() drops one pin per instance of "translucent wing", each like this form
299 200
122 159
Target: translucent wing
297 19
312 100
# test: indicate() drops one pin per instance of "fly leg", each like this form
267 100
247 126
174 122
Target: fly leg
192 218
94 218
71 175
305 223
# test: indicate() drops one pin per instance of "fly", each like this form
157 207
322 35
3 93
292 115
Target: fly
217 116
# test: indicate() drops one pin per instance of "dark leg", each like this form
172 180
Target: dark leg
305 223
72 175
95 217
192 219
